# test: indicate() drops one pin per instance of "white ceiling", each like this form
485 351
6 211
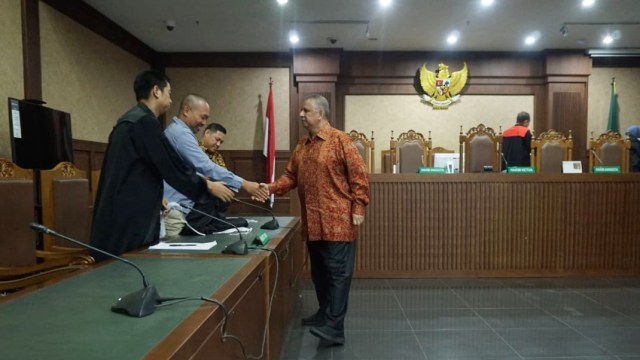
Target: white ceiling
263 25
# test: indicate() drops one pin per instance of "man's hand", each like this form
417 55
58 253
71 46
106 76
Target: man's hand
357 219
220 190
258 192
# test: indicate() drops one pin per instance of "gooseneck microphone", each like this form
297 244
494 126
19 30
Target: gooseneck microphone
269 225
139 303
237 248
506 163
596 155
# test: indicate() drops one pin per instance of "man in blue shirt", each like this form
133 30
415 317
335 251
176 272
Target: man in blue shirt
193 115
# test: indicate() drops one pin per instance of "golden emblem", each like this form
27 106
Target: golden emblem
442 89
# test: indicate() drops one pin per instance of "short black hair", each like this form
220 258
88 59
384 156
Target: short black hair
146 80
522 117
214 127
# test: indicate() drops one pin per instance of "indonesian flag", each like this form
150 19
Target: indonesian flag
269 150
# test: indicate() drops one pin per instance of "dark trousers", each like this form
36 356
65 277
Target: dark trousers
331 272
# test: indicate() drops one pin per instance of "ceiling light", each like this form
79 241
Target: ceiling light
282 2
530 40
588 3
486 2
607 39
293 37
452 39
385 3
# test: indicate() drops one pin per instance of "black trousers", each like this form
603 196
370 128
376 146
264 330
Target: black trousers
331 272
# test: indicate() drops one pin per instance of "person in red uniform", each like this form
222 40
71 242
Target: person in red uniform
333 185
516 143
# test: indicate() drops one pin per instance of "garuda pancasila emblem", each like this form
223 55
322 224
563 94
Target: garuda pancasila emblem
442 89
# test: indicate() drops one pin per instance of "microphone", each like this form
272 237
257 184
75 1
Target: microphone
506 163
596 155
237 248
269 225
139 303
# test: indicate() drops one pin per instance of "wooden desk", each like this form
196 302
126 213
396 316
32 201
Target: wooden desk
500 225
72 318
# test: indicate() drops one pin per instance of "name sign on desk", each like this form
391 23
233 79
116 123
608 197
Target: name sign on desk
601 169
431 170
521 170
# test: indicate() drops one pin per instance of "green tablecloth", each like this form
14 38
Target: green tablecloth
73 319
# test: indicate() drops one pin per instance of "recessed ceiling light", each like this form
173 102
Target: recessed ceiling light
293 37
486 2
607 39
385 3
588 3
282 2
530 40
452 39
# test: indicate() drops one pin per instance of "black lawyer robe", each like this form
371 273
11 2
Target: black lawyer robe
129 199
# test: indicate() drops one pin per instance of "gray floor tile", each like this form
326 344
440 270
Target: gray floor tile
599 317
519 318
574 358
379 345
379 319
370 284
473 283
616 298
464 344
550 343
402 284
487 298
302 345
429 299
554 299
619 341
445 319
369 299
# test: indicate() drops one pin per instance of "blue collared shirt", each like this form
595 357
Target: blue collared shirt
186 145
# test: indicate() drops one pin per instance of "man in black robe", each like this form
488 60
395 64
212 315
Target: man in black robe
129 199
516 143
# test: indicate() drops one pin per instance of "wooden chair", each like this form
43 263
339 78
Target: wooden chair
437 150
21 264
365 147
410 151
609 149
549 150
65 206
480 147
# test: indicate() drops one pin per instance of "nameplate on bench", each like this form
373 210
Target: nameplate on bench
431 170
521 170
601 169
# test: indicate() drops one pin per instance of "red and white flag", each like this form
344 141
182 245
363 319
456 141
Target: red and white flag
269 150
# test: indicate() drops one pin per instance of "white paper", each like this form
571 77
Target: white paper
15 121
183 246
232 231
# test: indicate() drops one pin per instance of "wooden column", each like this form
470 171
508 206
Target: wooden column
32 66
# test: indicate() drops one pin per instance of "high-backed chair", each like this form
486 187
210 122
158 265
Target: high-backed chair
480 147
437 150
609 149
20 263
549 150
365 147
410 151
65 205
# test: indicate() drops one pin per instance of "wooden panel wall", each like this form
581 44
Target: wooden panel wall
500 225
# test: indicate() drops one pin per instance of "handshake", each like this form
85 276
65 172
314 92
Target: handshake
258 191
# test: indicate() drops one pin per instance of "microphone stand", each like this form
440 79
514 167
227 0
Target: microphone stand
597 157
269 225
237 248
139 303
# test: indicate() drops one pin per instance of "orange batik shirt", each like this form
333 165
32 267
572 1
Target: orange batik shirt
332 182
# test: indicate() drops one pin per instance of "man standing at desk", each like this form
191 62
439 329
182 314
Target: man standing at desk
333 185
193 115
516 143
127 210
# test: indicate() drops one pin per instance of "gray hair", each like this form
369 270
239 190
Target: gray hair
321 104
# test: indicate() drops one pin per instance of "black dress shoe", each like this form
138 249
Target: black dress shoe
313 320
332 336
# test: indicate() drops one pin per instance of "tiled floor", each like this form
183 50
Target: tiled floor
500 319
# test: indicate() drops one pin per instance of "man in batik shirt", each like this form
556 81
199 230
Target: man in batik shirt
333 185
210 142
